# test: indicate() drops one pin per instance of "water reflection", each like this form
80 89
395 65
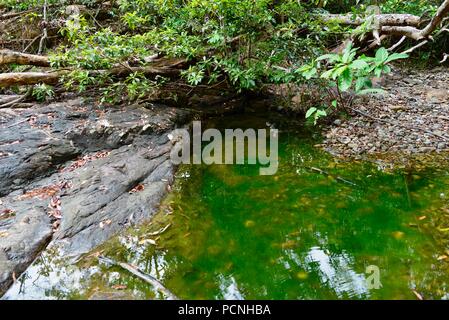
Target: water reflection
296 235
49 277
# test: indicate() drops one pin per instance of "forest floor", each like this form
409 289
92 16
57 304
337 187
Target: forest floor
411 118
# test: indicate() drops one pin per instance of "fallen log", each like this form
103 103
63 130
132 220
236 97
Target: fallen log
384 19
420 34
31 78
14 57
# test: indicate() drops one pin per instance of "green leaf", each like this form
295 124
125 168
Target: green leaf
327 74
345 80
362 82
311 111
331 57
359 64
339 71
382 54
396 56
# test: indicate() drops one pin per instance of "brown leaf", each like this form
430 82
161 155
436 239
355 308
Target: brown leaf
105 223
119 287
3 234
138 188
7 213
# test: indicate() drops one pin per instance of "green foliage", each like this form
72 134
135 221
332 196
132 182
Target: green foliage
244 42
248 44
43 92
315 114
417 7
348 72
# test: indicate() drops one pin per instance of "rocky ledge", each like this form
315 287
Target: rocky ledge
412 117
73 174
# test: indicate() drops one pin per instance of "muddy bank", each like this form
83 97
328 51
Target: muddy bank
72 174
411 118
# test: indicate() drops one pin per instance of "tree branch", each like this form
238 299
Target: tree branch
13 57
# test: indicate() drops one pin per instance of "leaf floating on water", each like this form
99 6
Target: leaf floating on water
289 244
249 223
398 235
302 275
156 233
146 241
119 287
419 296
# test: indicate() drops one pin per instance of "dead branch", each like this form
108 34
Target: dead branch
44 34
383 19
11 15
142 275
31 78
12 103
419 34
397 44
13 57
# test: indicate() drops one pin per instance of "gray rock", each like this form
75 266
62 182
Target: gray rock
25 236
45 182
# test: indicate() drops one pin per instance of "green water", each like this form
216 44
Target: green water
299 234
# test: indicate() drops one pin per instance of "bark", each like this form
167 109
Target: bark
31 78
384 19
13 57
420 34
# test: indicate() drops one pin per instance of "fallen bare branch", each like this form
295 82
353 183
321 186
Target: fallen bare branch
14 57
397 44
142 275
19 99
30 78
384 19
418 34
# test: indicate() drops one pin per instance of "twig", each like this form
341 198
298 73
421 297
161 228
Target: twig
419 45
10 15
160 231
18 122
31 43
142 275
397 44
44 35
331 175
15 101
